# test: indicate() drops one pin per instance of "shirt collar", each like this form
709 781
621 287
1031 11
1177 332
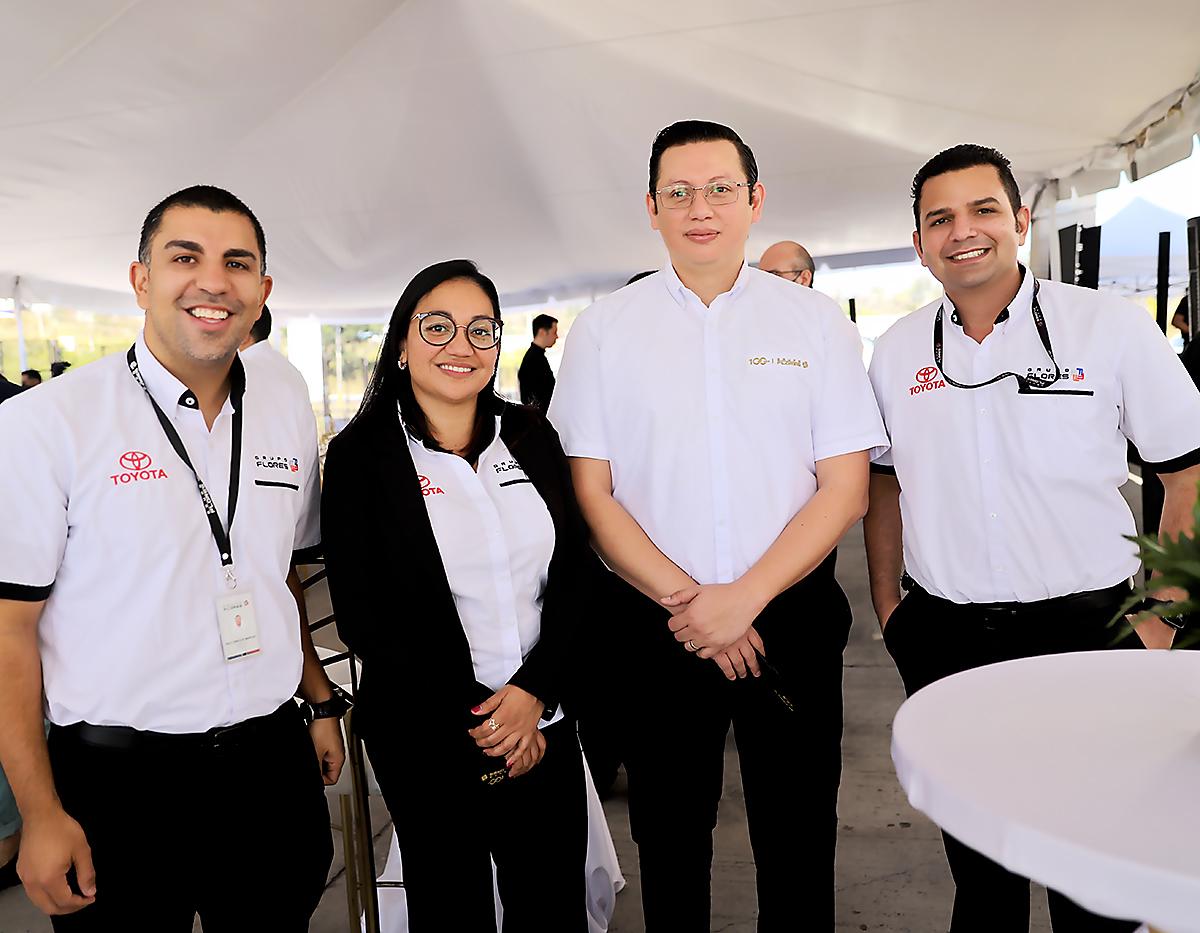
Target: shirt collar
1021 301
169 392
679 291
415 443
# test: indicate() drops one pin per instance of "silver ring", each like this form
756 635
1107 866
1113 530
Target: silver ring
493 725
692 646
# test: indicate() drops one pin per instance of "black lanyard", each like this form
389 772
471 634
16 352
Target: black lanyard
237 389
1028 382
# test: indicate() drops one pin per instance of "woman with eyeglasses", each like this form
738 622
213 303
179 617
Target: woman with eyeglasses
453 546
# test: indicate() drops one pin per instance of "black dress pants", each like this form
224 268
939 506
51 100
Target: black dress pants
450 827
238 834
790 762
930 638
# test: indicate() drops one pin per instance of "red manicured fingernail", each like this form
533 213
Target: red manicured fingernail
476 709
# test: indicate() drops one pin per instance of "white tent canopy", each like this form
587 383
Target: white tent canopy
375 136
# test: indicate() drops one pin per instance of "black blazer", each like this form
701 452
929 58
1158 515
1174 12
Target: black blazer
391 597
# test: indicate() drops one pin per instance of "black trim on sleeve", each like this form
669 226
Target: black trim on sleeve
1175 464
24 593
883 468
307 555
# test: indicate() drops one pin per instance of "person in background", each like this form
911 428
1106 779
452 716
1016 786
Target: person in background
790 261
258 354
58 367
534 376
30 378
8 389
458 588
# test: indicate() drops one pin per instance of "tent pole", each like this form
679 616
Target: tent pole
21 358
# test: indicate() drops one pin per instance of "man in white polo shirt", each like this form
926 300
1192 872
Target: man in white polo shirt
153 504
718 421
1008 403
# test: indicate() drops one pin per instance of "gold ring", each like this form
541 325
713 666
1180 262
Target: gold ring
493 725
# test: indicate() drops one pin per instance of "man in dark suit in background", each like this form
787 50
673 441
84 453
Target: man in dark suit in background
535 376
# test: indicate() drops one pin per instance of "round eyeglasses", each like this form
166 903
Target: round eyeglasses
674 197
437 328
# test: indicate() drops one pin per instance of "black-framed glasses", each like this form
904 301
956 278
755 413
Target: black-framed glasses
676 197
792 275
437 328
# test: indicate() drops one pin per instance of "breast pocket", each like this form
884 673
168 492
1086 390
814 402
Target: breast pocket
1060 430
278 483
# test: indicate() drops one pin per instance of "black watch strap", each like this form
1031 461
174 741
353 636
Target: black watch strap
1176 622
333 708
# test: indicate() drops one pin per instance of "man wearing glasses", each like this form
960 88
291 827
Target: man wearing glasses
718 423
1008 403
789 260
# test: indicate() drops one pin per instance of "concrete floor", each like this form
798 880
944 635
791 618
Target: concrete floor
891 873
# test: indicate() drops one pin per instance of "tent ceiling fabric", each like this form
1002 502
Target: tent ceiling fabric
375 136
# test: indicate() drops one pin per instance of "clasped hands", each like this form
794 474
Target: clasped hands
515 713
716 621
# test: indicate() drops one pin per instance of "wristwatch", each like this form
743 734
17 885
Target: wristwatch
333 708
1176 622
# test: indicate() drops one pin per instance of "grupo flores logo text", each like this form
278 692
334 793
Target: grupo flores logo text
777 361
428 489
928 379
277 463
137 467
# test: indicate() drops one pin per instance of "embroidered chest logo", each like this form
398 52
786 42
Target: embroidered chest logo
277 463
136 467
927 379
777 361
505 465
428 489
1073 373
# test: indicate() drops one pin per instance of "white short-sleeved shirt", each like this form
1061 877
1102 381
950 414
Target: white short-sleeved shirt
1010 497
103 520
496 538
713 419
265 357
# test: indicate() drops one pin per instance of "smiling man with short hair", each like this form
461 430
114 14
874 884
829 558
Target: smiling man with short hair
1008 403
718 421
162 639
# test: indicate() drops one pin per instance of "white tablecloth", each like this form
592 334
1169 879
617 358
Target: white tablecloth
604 878
1080 771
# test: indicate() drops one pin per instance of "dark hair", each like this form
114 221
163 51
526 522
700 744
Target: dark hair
217 200
543 322
262 327
699 131
59 367
640 276
960 157
390 385
32 374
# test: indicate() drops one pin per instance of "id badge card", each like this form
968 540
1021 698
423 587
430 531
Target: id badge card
239 630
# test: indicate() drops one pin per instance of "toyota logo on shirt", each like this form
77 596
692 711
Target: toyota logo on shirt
137 467
135 460
927 381
427 487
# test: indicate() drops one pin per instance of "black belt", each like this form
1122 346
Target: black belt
126 737
1091 599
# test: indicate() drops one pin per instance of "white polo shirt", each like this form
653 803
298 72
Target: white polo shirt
713 418
103 520
263 356
1015 497
496 538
